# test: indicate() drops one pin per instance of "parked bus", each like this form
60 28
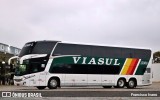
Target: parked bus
55 64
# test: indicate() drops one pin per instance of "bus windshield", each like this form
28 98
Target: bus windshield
27 49
30 66
20 70
40 47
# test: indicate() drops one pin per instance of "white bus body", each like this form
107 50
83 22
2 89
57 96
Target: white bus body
84 70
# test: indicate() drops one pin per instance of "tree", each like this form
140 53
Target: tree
156 57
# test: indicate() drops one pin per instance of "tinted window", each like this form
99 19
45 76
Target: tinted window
72 49
111 70
36 67
63 49
143 54
27 49
101 51
40 47
83 50
79 69
68 68
94 69
84 69
128 53
43 47
59 68
31 66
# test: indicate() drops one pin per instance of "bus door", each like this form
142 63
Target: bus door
42 76
33 79
36 76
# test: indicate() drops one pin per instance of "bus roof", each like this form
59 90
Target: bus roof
95 44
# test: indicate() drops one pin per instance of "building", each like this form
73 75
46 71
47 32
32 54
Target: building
7 51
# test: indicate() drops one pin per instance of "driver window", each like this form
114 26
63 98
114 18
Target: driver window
35 67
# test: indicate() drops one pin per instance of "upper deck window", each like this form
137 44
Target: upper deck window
41 47
100 51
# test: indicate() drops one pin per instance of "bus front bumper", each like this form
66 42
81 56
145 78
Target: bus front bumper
21 83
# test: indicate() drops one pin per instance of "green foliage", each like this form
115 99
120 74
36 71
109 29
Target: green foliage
156 57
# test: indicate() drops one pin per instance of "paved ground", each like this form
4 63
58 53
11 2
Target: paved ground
87 93
154 87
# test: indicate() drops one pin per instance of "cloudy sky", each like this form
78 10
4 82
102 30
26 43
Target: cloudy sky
128 23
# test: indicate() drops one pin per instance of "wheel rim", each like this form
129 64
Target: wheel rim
121 83
131 83
53 83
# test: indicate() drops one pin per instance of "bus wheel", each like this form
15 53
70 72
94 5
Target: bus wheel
121 83
41 87
53 83
107 86
131 84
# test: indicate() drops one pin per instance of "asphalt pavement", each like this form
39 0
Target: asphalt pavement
80 93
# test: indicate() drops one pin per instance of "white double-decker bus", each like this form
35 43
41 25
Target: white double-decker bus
55 64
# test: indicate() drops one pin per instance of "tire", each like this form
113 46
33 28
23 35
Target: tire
131 84
41 87
53 83
107 86
121 83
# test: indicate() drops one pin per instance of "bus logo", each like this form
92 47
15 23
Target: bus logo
95 61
